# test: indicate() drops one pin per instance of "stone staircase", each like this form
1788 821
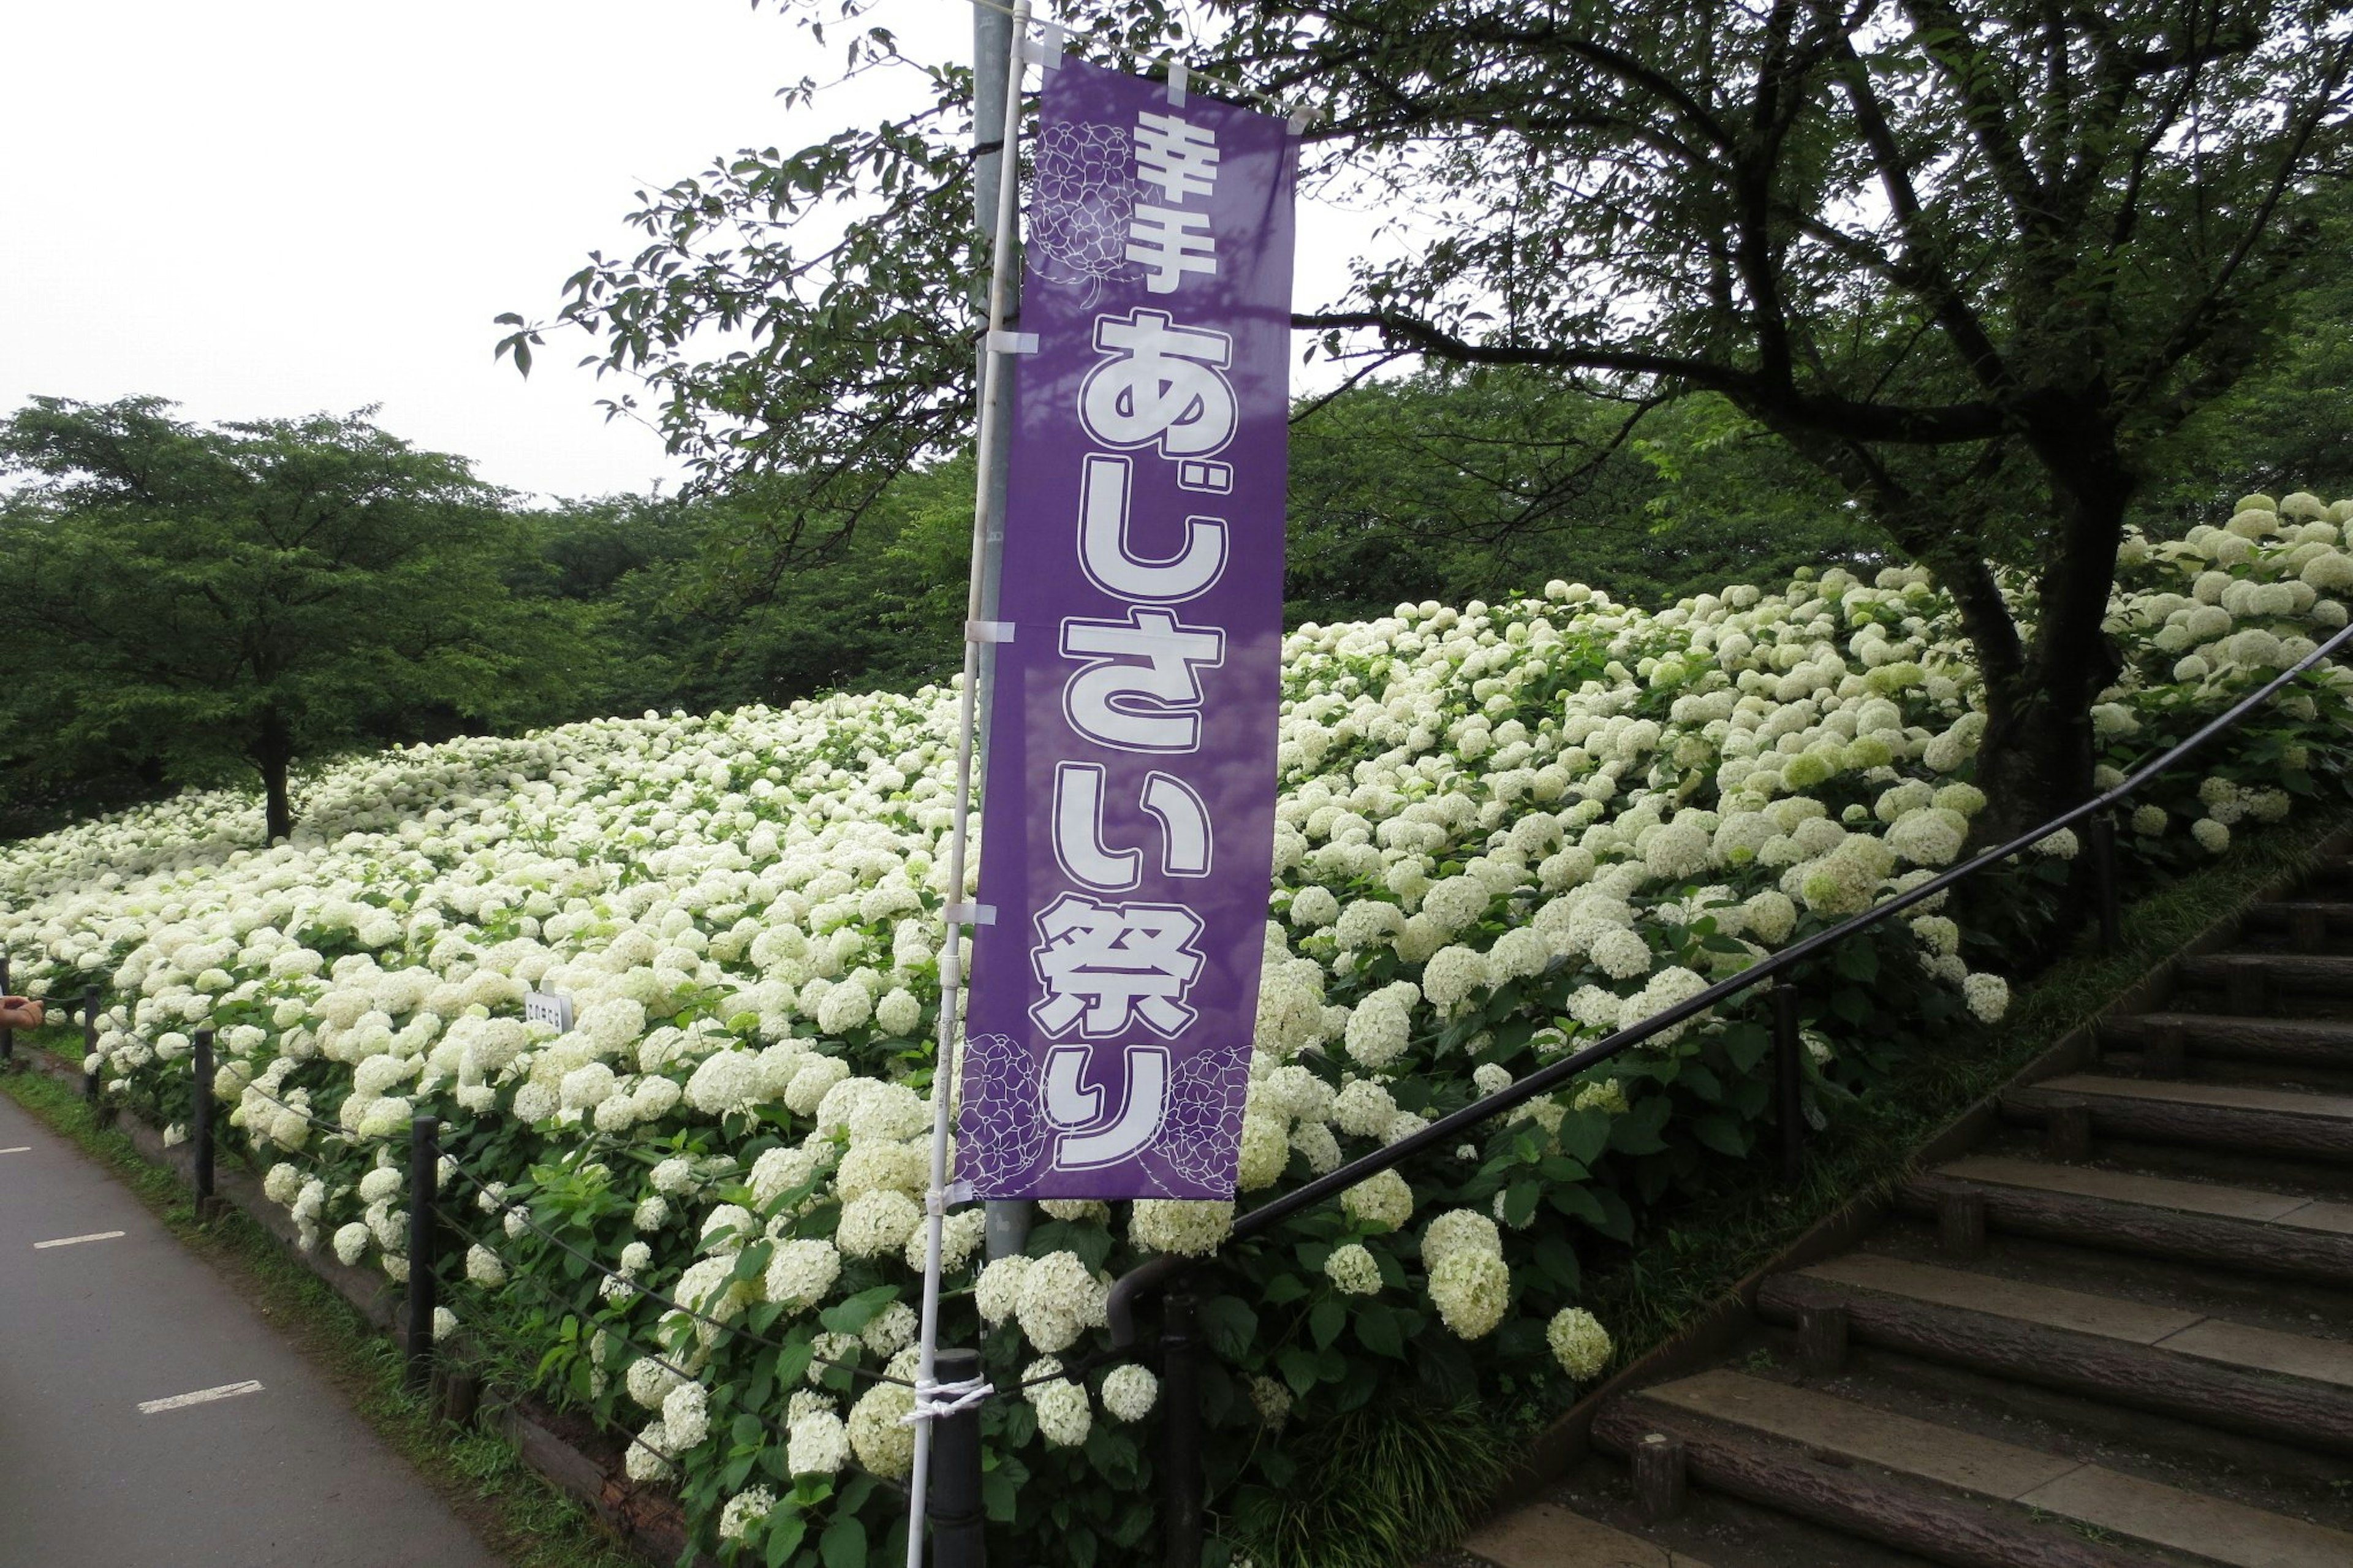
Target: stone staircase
2119 1331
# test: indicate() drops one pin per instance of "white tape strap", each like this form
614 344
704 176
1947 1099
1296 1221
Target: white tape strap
1178 75
988 631
960 1191
1001 342
1300 118
934 1400
1047 48
971 914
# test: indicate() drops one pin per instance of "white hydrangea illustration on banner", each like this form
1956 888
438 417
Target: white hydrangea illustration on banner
1004 1130
1083 198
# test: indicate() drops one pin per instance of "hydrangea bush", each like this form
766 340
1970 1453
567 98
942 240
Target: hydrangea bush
1505 831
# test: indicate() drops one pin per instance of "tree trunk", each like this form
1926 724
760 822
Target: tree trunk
273 754
2036 758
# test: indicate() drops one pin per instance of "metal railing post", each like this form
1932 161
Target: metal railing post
952 1504
424 1178
2101 828
8 1035
89 1043
1788 1080
1181 1502
200 1129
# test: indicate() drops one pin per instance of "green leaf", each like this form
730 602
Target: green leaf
1557 1259
1584 1135
1578 1202
1857 960
1283 1289
1229 1326
1520 1203
1636 1131
849 1317
844 1543
1721 1132
785 1532
1378 1331
1325 1322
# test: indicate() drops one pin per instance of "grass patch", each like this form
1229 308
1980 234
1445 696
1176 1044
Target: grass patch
1381 1486
476 1472
1676 1273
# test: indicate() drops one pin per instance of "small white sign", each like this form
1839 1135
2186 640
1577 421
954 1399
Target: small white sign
547 1008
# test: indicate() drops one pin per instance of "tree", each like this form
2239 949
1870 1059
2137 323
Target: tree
237 597
1467 484
1974 260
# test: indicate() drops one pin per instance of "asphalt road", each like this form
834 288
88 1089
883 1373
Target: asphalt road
246 1477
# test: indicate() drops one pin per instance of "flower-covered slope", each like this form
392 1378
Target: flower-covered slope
1504 829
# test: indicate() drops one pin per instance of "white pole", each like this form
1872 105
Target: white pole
976 602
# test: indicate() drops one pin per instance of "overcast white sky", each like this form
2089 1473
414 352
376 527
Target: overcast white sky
260 208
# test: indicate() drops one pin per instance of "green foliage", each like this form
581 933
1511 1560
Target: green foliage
1472 484
1973 265
1375 1488
233 599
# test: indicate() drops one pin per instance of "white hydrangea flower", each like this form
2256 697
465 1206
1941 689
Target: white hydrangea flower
1060 1299
1189 1228
1471 1290
1064 1416
1382 1201
801 1272
817 1443
1579 1343
1129 1392
1987 996
743 1510
1353 1270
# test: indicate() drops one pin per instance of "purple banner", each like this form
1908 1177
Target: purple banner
1128 813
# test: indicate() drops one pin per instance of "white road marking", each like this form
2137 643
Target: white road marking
77 1240
19 1149
201 1396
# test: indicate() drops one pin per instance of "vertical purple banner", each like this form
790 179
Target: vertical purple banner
1128 814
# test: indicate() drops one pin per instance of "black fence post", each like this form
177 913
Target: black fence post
89 1043
424 1178
8 1035
2103 828
1181 1502
200 1131
1788 1080
952 1507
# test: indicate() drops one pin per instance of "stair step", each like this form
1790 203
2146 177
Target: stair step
2200 1222
1952 1494
2328 973
2235 1116
2281 912
2173 1360
1547 1535
2315 1042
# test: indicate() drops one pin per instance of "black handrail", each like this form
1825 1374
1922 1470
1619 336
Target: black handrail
1144 1279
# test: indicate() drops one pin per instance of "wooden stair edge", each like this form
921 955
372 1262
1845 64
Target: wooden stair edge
2316 1135
2256 1245
2277 1406
1909 1515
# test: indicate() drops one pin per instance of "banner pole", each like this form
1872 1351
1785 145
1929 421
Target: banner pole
1006 1225
980 598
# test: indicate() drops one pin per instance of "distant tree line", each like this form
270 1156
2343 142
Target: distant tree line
223 604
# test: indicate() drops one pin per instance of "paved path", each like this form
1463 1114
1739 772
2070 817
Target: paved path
92 1329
